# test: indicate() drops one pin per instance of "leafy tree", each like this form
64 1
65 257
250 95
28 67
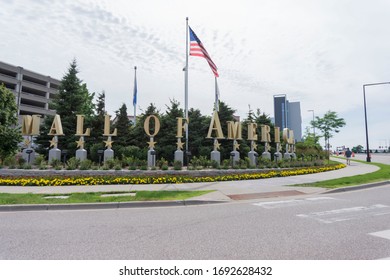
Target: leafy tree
10 135
310 139
328 125
73 98
358 149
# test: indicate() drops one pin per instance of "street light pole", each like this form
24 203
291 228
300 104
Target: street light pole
368 158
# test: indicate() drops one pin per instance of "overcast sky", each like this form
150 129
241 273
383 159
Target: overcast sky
317 52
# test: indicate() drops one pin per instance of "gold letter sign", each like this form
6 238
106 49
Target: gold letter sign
56 127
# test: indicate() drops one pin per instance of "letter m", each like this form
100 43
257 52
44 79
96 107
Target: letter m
234 130
30 125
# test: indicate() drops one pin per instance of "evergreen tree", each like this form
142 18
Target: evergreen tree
167 135
73 98
122 125
10 135
197 132
97 123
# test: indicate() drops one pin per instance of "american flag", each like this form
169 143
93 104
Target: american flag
197 49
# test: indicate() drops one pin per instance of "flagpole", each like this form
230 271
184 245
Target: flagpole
134 95
216 95
186 87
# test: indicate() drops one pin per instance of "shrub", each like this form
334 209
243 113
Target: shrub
43 165
55 163
225 164
39 159
85 164
215 164
10 161
21 162
160 162
177 165
72 163
26 166
109 164
144 167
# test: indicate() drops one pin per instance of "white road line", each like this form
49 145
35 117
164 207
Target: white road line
346 214
292 202
384 234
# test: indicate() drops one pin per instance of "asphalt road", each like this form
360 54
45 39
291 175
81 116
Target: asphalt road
350 225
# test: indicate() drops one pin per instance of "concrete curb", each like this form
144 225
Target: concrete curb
97 206
359 187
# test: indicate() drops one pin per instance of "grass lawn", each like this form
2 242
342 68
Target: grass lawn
95 197
383 174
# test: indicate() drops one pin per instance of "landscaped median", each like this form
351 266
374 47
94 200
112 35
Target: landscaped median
381 175
112 179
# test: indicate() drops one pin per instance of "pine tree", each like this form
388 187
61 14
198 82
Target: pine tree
122 125
73 98
167 135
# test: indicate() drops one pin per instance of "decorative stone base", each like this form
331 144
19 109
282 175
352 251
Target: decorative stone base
108 154
81 154
216 156
252 155
236 157
179 156
151 158
54 153
266 155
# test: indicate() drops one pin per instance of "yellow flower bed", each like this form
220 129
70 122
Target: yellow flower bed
112 180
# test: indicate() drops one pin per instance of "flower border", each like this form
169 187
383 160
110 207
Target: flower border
167 179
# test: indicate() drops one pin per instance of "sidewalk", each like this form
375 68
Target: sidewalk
224 191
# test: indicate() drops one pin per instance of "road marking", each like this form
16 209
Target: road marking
347 214
292 202
384 234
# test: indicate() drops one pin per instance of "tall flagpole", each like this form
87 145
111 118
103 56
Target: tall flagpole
216 95
135 95
186 87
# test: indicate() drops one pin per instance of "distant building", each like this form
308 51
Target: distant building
33 92
288 115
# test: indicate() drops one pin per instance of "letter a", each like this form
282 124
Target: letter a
56 127
215 124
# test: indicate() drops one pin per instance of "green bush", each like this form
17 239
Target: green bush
85 164
10 161
109 164
43 165
215 164
55 163
177 165
72 163
26 166
21 162
39 159
160 162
